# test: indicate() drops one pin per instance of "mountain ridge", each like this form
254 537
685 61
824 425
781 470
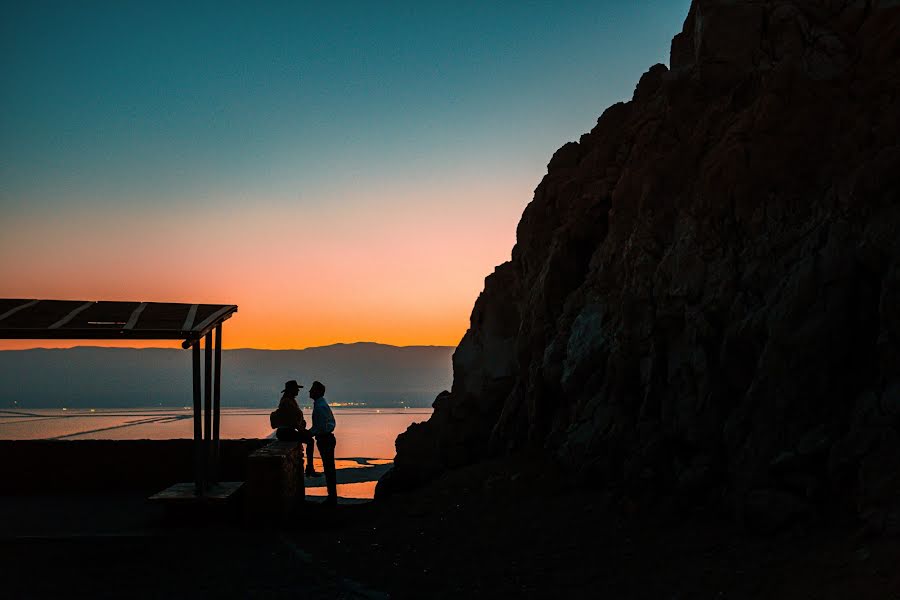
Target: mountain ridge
377 375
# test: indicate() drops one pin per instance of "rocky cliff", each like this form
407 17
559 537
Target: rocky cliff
704 297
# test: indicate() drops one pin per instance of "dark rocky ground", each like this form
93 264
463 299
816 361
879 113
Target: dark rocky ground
117 545
161 567
75 521
513 528
504 528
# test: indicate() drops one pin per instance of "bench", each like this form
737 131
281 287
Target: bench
274 486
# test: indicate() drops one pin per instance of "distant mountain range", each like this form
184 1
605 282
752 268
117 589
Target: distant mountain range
374 375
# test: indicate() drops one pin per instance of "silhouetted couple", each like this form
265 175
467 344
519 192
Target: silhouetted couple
290 425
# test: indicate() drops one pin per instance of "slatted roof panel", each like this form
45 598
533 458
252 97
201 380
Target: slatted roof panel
80 319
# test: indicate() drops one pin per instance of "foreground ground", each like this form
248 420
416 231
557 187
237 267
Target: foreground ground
498 529
515 528
117 545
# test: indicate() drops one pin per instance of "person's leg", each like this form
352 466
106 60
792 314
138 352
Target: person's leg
327 445
310 470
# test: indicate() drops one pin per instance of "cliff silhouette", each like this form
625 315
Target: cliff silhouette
704 296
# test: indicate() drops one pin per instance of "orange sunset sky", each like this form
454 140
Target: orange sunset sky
301 277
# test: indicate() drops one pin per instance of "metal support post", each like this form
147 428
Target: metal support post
217 402
207 409
198 432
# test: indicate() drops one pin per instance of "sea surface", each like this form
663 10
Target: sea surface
365 436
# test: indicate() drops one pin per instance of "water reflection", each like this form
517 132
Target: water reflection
364 490
368 433
356 477
361 432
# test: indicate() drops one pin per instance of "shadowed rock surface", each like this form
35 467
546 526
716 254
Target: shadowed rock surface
704 297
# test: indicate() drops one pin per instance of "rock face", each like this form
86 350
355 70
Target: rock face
705 290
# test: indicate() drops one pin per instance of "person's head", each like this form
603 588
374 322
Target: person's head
291 388
316 390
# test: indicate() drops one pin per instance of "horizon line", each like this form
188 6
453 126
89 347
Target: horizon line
241 348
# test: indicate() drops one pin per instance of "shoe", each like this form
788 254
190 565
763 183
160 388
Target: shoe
312 473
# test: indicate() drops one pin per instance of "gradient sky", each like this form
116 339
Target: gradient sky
341 171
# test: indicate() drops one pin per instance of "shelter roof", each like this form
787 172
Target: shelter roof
102 320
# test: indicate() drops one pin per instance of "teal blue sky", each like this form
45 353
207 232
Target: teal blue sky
126 102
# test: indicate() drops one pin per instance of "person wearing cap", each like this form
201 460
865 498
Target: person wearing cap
323 430
289 424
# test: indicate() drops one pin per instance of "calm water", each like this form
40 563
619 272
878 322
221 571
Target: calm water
365 436
361 431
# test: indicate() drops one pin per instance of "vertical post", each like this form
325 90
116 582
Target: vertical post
217 402
198 433
207 416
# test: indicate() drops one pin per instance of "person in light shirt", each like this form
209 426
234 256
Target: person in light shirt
322 429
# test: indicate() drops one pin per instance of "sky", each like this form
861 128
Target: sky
341 171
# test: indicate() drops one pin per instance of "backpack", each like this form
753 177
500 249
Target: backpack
279 418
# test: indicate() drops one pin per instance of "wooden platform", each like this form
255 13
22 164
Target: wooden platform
185 493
